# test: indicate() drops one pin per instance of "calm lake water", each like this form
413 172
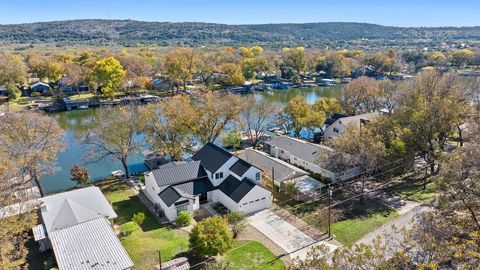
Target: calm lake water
77 122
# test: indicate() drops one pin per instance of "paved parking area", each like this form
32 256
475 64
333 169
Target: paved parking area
292 240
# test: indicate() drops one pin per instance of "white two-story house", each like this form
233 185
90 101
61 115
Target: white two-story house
214 175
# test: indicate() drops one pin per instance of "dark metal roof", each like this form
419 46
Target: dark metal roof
197 186
169 195
212 157
240 167
334 117
236 189
174 173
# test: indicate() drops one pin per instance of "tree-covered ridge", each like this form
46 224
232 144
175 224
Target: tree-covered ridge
128 32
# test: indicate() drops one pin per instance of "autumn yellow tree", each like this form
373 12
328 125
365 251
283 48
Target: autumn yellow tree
109 73
169 126
462 57
298 115
295 58
214 113
180 65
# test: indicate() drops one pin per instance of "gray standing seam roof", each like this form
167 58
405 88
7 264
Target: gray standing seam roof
283 170
89 245
212 157
304 150
170 174
73 207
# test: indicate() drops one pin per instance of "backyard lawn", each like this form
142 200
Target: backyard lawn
252 255
142 242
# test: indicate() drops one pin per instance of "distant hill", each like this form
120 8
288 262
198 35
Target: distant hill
128 32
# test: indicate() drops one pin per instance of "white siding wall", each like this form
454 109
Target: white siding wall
252 174
312 167
225 200
249 203
252 202
170 212
225 169
151 188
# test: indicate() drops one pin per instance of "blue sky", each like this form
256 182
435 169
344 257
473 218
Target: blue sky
386 12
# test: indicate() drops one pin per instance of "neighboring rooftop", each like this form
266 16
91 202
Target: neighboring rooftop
74 207
282 170
334 117
352 120
302 149
89 245
212 157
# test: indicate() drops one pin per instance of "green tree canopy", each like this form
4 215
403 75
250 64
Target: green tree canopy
110 73
211 237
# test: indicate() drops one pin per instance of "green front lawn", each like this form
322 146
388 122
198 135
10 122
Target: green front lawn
349 231
142 242
252 255
412 190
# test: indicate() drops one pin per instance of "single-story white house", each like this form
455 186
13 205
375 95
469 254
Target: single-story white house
308 156
280 171
76 225
341 124
214 175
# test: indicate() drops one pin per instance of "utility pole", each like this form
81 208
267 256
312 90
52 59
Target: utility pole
330 193
159 260
273 184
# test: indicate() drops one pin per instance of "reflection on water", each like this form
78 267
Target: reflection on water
77 122
310 94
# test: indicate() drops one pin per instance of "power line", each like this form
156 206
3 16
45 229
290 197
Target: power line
349 183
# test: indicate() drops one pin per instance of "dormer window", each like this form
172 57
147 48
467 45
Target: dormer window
219 175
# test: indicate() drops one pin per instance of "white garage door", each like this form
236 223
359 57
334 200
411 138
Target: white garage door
256 205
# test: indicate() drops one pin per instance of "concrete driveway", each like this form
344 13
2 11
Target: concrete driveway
292 240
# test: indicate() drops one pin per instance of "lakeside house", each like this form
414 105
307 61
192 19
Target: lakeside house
77 226
39 87
337 124
162 83
214 175
281 172
308 156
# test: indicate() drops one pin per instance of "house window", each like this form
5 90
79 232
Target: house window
335 130
257 176
219 175
263 198
281 151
